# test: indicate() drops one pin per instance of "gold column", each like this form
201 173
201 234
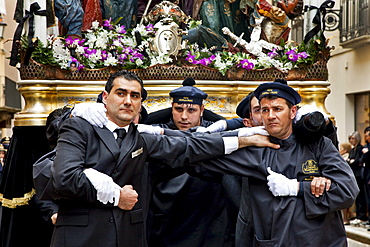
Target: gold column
43 96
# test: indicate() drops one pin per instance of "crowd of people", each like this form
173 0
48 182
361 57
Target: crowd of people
188 177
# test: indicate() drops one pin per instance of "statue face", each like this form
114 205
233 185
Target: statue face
167 42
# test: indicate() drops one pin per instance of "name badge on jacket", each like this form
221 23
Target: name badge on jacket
137 153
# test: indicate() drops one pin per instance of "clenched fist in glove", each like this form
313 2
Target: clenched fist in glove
280 185
107 189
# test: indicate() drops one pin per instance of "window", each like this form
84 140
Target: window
362 111
355 23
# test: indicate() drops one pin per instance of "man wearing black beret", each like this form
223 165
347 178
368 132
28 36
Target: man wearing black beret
285 212
187 210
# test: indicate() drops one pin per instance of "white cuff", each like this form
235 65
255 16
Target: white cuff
231 144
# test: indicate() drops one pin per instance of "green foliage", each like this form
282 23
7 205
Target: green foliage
41 53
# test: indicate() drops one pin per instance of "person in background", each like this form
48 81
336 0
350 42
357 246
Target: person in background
2 159
366 163
348 214
355 162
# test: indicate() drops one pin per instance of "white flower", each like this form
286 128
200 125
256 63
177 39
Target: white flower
95 25
142 30
110 61
80 50
139 62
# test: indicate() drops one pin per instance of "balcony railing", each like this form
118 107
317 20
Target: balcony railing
355 22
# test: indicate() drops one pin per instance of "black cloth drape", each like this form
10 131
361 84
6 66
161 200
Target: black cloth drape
23 225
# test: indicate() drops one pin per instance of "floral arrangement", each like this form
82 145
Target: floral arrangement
110 45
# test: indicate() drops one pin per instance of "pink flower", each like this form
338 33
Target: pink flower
292 55
245 64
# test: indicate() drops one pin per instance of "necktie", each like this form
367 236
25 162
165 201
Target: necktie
121 133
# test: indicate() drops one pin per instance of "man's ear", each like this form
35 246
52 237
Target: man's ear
293 112
201 110
247 122
104 97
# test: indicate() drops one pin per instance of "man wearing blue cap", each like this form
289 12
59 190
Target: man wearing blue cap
285 212
187 210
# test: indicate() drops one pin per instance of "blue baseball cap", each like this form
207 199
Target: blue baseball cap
278 89
187 94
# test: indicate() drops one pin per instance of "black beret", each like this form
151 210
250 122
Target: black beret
188 94
278 89
243 108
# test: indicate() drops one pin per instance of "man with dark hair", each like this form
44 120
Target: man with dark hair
103 185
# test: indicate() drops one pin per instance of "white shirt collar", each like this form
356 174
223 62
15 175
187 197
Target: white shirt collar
112 126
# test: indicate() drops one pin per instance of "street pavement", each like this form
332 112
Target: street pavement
358 235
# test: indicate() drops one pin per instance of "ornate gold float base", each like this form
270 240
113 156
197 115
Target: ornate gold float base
43 96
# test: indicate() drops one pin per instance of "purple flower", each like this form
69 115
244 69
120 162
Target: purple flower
150 28
104 55
127 50
121 30
81 42
302 54
191 58
70 41
292 55
273 53
122 57
205 61
245 64
108 24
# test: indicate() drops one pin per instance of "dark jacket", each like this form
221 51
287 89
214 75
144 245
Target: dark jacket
302 220
82 220
190 210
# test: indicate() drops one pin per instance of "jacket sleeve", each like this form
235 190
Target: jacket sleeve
343 190
177 151
67 171
234 123
243 162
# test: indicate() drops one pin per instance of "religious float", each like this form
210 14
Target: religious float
164 49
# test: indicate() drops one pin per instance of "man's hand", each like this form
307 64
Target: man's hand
94 113
218 126
280 185
154 130
54 218
249 131
319 185
256 140
308 109
107 190
128 198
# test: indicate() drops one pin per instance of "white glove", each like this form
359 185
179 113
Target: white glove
94 113
308 109
249 131
280 185
154 130
107 189
218 126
